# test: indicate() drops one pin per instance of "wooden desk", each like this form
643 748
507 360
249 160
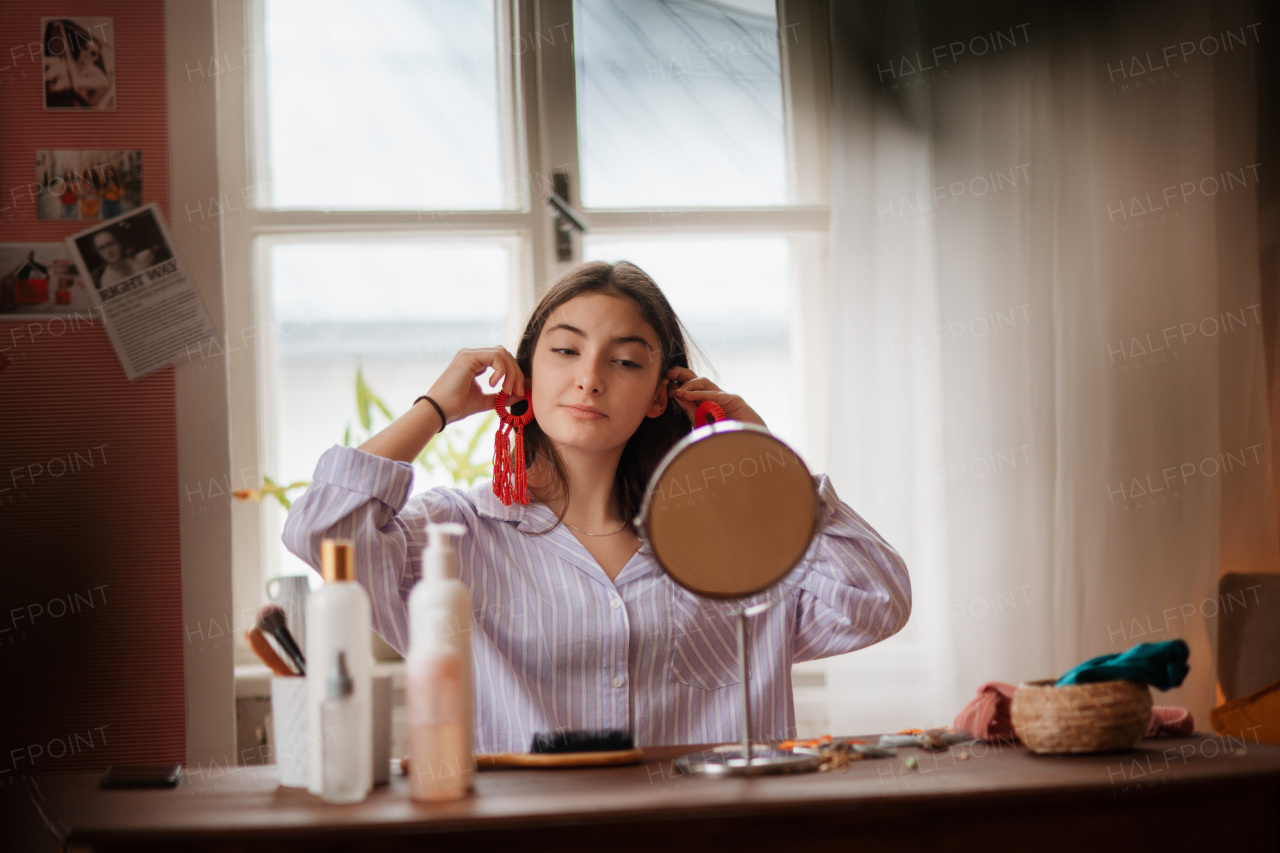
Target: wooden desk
1196 793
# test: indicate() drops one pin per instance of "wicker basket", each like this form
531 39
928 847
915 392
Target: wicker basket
1095 717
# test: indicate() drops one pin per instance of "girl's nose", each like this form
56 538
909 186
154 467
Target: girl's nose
589 378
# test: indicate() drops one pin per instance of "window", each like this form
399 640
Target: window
400 154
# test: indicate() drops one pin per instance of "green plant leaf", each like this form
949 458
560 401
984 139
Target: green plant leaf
459 461
364 398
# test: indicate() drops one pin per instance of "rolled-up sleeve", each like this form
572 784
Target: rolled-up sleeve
365 498
853 591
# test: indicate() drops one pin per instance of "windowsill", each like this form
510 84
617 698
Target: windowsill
253 681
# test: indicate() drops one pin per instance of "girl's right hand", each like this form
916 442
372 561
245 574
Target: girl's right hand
458 390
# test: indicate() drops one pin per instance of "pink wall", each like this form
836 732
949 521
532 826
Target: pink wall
91 634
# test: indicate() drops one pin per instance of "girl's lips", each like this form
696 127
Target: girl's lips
585 414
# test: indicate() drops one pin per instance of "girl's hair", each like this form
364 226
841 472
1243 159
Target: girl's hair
655 436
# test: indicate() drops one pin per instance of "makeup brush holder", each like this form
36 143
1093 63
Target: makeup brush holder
291 745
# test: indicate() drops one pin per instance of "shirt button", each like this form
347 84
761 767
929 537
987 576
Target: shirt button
615 603
618 681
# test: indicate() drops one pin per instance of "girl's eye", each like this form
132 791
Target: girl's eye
563 351
627 364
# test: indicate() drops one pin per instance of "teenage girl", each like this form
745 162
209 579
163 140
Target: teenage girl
89 195
576 626
112 192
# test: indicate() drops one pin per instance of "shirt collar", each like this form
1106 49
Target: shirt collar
528 518
536 517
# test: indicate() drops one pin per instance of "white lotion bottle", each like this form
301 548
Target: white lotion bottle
340 754
439 697
339 619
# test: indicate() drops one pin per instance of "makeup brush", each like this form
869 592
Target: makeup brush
262 648
271 621
571 741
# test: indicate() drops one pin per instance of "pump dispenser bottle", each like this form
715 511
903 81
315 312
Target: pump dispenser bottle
338 629
439 690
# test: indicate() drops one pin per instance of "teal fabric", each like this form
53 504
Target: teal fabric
1161 665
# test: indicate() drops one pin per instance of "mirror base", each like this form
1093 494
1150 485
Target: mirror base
727 761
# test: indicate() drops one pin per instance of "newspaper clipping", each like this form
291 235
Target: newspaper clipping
147 299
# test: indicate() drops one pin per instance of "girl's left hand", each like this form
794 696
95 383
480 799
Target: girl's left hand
689 389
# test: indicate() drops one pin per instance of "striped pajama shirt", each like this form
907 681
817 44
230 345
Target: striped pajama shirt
558 645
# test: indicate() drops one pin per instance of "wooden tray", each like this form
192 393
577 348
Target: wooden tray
565 759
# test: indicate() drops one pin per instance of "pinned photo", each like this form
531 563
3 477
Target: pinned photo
79 64
88 184
38 279
122 249
142 289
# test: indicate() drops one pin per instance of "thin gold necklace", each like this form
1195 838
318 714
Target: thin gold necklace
585 533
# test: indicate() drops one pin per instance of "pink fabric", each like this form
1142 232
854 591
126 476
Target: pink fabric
988 718
1170 721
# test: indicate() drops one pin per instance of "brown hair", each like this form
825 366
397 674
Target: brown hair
655 436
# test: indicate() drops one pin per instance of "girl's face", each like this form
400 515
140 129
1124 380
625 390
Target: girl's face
89 53
108 247
596 370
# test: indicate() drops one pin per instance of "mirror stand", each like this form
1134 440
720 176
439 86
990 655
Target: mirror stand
747 760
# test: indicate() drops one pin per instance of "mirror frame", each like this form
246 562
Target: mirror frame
697 436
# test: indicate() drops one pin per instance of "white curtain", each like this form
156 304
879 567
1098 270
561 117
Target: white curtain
1045 307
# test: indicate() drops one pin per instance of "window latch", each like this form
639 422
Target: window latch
566 217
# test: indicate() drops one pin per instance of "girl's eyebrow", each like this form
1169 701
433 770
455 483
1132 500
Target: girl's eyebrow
624 339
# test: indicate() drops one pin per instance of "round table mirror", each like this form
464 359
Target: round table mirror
729 512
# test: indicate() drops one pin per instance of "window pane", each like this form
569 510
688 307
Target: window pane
385 104
679 102
399 310
733 296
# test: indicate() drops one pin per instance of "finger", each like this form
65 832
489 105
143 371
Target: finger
701 385
518 380
481 360
704 394
685 406
689 379
512 375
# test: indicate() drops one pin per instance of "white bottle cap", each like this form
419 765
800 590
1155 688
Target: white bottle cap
440 556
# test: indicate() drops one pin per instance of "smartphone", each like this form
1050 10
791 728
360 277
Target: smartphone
141 776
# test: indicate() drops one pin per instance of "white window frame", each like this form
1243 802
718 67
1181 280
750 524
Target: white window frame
543 117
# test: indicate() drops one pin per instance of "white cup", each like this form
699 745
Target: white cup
291 593
290 744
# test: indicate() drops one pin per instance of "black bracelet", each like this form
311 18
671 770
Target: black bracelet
439 411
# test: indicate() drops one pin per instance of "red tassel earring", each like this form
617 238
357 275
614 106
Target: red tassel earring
509 478
708 413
